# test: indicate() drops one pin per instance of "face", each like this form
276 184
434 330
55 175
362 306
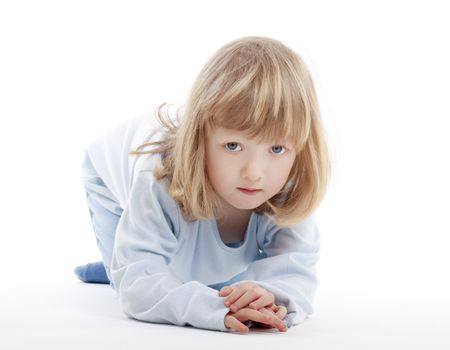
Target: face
243 172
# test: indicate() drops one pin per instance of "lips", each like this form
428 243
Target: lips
249 190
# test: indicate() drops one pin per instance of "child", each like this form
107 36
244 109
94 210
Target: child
214 226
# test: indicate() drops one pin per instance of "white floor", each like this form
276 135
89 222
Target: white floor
74 315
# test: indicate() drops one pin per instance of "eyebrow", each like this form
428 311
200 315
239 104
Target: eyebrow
238 138
239 135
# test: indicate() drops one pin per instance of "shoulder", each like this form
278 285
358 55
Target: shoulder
305 233
267 224
109 154
153 198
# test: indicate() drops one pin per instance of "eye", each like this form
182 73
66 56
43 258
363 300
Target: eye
278 149
232 146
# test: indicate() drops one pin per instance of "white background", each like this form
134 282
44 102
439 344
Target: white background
71 69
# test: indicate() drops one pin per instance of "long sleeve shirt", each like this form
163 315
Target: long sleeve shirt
169 270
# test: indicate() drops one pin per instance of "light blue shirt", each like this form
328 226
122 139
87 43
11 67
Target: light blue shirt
168 270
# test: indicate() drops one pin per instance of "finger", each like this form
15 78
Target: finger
233 323
281 313
266 300
255 315
235 295
225 291
248 297
247 314
279 324
268 312
247 285
271 308
239 289
275 322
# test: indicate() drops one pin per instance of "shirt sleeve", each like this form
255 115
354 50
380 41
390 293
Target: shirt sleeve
145 241
287 266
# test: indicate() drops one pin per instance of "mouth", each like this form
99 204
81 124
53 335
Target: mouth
249 190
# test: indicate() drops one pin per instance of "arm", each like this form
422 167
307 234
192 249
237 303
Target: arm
287 266
145 242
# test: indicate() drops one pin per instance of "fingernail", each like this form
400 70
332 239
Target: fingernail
227 303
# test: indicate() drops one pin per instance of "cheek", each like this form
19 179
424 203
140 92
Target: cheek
217 171
209 164
281 173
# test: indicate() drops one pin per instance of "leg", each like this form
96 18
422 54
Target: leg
105 215
104 224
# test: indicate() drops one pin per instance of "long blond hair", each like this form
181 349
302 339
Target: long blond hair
259 85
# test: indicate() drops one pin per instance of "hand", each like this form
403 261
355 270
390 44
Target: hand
246 294
263 317
278 311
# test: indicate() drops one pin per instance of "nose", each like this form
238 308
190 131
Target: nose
252 170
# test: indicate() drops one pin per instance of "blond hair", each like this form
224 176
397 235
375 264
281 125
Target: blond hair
258 85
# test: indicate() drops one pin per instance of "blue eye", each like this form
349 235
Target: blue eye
231 146
278 149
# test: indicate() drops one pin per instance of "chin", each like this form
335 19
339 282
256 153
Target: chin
247 206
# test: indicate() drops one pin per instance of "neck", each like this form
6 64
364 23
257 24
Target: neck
229 213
